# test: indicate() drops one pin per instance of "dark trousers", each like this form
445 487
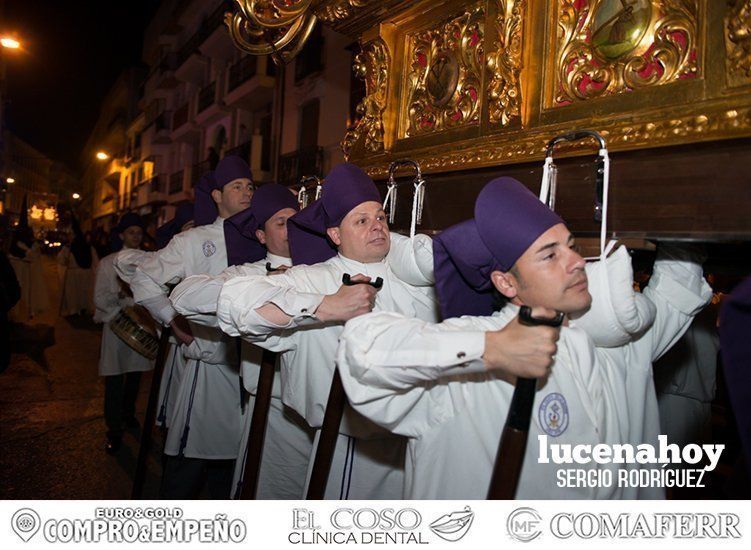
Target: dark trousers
183 477
120 392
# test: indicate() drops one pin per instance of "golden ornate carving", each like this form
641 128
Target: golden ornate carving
339 10
271 27
738 42
443 83
372 65
504 64
607 47
713 123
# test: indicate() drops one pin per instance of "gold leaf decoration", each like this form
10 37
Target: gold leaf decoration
607 47
713 123
444 73
504 64
738 42
339 10
371 64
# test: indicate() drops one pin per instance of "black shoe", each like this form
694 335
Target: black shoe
114 442
132 423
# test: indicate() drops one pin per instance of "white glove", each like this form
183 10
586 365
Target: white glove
618 312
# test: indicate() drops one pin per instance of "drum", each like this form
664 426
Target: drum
135 327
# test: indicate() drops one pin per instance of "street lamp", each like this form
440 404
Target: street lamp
10 43
101 155
10 180
76 196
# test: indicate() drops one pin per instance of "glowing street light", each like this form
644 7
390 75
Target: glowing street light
76 196
101 155
10 43
10 180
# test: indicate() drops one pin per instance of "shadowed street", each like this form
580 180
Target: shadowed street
52 430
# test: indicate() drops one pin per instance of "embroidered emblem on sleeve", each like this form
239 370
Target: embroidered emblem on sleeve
553 414
209 248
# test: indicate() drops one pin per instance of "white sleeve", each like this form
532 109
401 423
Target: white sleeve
240 297
196 297
396 352
679 292
411 260
395 369
127 261
149 282
106 293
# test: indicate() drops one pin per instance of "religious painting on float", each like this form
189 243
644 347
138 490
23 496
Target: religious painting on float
618 26
608 47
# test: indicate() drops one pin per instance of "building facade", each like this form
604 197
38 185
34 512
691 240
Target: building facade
201 99
44 182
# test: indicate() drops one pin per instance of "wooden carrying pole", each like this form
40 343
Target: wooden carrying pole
510 456
327 441
258 423
331 420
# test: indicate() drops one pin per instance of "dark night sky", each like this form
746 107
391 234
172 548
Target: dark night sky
73 52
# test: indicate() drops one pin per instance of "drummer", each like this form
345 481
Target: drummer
120 365
448 386
205 426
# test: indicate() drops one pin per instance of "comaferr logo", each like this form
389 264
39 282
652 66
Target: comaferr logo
452 527
523 524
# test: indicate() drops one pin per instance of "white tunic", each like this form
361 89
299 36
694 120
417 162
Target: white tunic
428 382
309 348
116 357
206 421
126 264
76 283
30 274
288 441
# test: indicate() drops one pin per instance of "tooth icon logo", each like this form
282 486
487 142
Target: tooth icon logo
452 527
25 523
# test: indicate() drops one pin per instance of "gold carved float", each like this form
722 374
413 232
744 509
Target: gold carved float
467 84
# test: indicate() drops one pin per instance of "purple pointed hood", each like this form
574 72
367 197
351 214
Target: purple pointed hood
240 229
508 219
345 187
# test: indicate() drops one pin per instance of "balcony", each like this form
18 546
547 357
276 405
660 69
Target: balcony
162 125
191 65
241 71
198 170
249 85
209 108
176 181
216 42
293 166
183 127
177 192
242 151
156 189
206 97
181 115
165 72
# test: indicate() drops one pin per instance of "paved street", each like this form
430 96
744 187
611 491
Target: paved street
52 428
